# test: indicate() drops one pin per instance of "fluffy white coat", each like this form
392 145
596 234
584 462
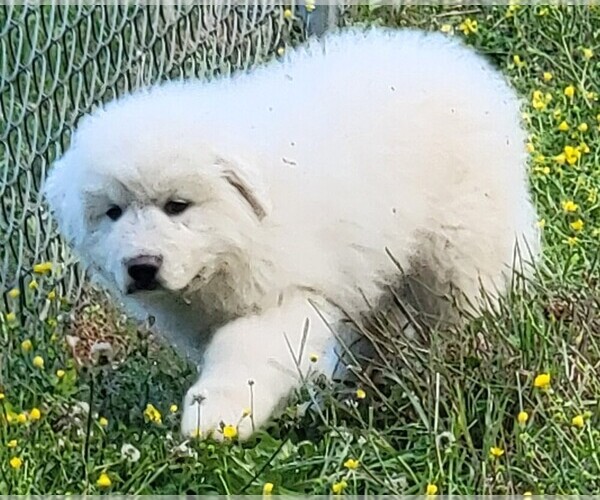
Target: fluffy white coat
299 175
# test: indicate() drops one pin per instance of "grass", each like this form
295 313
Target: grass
438 410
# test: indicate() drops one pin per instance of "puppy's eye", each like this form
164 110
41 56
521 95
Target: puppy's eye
114 212
175 207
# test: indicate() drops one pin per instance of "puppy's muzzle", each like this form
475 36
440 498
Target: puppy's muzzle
143 270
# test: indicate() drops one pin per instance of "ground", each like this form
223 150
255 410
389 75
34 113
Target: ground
506 405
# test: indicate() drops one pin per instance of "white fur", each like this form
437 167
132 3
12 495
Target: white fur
359 143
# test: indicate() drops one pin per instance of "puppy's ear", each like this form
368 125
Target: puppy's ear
238 179
64 199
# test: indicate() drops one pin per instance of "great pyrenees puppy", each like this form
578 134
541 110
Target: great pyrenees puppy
247 213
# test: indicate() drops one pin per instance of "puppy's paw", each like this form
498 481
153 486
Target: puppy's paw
219 413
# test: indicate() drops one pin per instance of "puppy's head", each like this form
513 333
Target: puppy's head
147 202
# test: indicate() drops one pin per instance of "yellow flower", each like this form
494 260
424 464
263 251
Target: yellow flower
229 431
542 381
11 317
512 9
519 63
431 489
309 5
538 101
280 51
60 373
33 285
351 464
103 421
268 488
173 408
43 268
572 154
38 362
2 396
543 11
523 417
338 488
587 53
35 414
496 452
578 421
360 394
577 225
570 206
446 28
21 418
104 481
51 295
583 127
530 147
583 148
572 241
14 293
547 76
152 414
27 345
12 443
468 26
570 91
15 462
313 358
563 126
288 14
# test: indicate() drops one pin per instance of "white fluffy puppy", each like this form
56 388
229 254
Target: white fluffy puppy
236 211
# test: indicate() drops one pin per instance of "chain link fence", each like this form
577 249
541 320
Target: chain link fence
58 62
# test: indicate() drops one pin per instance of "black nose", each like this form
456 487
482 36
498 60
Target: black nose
143 271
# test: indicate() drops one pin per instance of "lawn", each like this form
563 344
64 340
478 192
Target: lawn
509 404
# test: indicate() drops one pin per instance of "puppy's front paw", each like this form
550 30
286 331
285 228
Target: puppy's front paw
219 413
